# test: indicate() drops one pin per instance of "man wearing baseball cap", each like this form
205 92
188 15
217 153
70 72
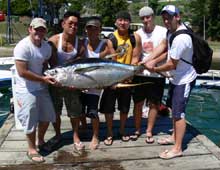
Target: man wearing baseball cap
95 48
171 10
35 105
38 22
94 22
151 36
183 76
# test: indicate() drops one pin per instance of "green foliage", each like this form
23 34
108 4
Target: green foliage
76 5
134 9
2 40
154 5
108 9
21 7
194 11
213 22
208 10
18 7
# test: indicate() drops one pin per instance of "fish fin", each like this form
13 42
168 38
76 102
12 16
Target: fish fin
87 69
123 85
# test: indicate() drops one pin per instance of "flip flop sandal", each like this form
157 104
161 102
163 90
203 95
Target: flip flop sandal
135 136
170 154
78 146
36 155
165 141
124 138
108 141
94 146
149 139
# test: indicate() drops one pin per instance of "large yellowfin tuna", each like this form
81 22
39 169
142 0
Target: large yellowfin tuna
93 73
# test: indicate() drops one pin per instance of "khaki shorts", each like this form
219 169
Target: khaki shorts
71 98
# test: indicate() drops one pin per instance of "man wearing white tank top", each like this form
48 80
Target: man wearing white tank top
151 36
95 48
67 46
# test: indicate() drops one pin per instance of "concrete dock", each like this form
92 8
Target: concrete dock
199 152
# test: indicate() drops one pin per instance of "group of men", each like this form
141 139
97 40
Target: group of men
40 98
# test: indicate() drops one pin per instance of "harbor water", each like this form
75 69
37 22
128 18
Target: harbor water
5 96
203 112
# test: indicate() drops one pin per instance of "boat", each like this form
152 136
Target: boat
5 79
3 117
211 79
5 73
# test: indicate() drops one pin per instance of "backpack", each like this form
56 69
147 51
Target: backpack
115 41
202 53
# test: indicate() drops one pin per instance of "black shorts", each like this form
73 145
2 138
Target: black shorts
109 97
90 105
153 92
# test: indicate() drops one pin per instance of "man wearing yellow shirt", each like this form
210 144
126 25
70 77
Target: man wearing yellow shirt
132 45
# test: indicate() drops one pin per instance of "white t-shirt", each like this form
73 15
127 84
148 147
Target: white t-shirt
149 41
181 47
35 56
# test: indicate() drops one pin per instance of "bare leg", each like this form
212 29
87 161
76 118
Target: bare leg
95 138
109 121
137 115
42 128
180 128
151 119
31 140
83 122
123 118
176 150
75 127
57 126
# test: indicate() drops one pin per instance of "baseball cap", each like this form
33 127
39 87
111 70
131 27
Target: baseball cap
146 11
123 15
93 22
38 22
170 9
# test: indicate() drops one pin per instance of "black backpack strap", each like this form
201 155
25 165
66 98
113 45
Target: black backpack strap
178 33
167 33
113 39
189 32
132 38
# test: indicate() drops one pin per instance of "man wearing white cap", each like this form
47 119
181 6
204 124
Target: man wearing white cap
151 36
34 102
184 75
